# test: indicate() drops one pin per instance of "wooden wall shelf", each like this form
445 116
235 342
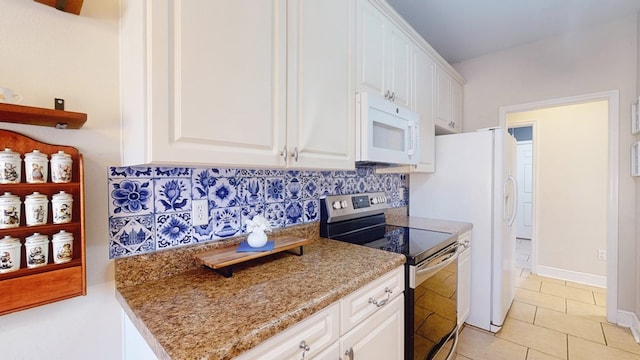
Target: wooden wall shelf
40 116
30 287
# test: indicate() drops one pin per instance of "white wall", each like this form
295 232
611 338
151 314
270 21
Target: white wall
571 174
601 59
45 53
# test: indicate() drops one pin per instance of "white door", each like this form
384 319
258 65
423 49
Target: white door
525 189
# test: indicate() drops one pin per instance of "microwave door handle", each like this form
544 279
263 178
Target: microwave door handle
412 136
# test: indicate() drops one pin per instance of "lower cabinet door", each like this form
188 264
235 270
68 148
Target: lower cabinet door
381 336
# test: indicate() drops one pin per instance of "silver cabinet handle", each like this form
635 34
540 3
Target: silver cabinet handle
294 154
283 153
387 95
303 345
349 353
383 302
393 96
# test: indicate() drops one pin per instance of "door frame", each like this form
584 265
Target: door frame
612 97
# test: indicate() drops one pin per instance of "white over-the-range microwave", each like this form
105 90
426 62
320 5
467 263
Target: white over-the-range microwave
386 134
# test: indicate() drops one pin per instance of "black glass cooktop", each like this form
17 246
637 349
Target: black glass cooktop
416 244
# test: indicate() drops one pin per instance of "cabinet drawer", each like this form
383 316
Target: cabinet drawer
318 332
360 305
39 289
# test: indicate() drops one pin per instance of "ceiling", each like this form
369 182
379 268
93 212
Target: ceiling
463 29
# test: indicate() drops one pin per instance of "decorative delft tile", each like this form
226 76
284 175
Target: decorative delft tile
294 187
130 197
274 172
202 180
251 190
387 183
224 193
225 172
226 222
294 213
325 187
339 174
252 172
131 236
311 210
393 198
248 212
364 171
274 189
172 194
338 186
129 172
361 185
374 183
351 185
202 233
172 172
310 187
350 173
173 230
274 213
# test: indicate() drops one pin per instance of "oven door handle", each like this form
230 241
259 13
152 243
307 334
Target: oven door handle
440 262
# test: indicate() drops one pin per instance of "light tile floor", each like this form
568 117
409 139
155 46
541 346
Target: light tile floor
551 319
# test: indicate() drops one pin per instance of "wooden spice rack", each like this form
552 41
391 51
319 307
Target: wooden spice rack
30 287
222 260
40 116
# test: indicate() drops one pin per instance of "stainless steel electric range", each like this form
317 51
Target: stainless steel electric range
431 269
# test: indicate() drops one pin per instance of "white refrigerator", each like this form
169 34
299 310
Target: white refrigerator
475 182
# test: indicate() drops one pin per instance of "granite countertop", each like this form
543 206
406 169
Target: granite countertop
195 313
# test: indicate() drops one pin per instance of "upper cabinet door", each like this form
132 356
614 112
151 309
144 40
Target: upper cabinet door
321 91
424 94
214 83
399 70
371 56
448 103
383 63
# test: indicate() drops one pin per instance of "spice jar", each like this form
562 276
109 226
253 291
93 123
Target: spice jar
10 167
61 167
36 208
9 254
9 211
37 250
35 167
61 204
62 247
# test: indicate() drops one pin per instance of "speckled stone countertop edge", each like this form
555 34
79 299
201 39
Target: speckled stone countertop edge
279 322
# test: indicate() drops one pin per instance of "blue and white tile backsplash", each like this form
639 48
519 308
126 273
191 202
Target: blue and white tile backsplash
150 207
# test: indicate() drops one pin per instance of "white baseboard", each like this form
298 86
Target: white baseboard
630 320
574 276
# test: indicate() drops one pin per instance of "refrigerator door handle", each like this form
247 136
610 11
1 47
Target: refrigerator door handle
514 204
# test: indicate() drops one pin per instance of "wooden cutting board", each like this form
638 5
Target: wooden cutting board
227 256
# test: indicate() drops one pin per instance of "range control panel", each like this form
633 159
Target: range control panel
343 207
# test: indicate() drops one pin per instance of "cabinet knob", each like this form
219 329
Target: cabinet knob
387 95
349 353
283 153
303 345
294 154
393 96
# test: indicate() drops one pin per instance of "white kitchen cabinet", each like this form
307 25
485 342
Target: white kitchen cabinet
423 96
369 323
448 103
423 99
383 64
257 83
380 336
464 278
135 346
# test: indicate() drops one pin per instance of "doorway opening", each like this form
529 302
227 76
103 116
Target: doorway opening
524 175
608 134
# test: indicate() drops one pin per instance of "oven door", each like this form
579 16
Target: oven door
433 285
